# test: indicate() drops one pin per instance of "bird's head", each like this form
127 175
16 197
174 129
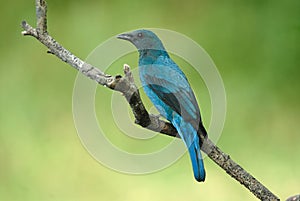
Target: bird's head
143 40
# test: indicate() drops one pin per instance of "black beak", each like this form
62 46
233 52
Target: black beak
125 36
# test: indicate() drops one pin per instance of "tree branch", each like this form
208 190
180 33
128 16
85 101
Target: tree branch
127 86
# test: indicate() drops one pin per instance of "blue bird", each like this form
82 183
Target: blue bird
170 92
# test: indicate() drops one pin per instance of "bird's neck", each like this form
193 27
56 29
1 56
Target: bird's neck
149 56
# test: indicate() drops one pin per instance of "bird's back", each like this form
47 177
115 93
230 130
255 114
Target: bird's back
167 86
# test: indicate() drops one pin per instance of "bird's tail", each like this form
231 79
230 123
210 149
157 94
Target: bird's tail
197 161
189 135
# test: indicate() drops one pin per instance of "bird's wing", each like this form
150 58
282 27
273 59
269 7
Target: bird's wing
171 86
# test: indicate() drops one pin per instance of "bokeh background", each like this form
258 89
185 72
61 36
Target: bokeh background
256 47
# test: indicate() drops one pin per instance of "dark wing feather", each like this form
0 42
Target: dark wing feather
167 97
177 94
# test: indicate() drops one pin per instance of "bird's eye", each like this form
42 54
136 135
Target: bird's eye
140 35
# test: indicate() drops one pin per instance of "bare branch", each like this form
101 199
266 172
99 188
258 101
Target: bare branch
41 16
127 86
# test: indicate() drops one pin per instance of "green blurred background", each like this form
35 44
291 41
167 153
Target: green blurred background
256 47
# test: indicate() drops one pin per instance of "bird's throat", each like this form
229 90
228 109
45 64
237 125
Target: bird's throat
150 56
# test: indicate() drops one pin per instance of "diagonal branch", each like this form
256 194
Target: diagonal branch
127 86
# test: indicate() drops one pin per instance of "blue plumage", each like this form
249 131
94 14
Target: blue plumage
169 90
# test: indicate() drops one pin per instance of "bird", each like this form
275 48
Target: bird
170 92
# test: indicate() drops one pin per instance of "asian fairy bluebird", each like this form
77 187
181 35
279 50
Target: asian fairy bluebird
170 92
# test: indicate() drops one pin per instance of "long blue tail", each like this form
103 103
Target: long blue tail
189 135
197 162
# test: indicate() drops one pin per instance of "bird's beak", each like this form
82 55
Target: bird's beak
125 36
